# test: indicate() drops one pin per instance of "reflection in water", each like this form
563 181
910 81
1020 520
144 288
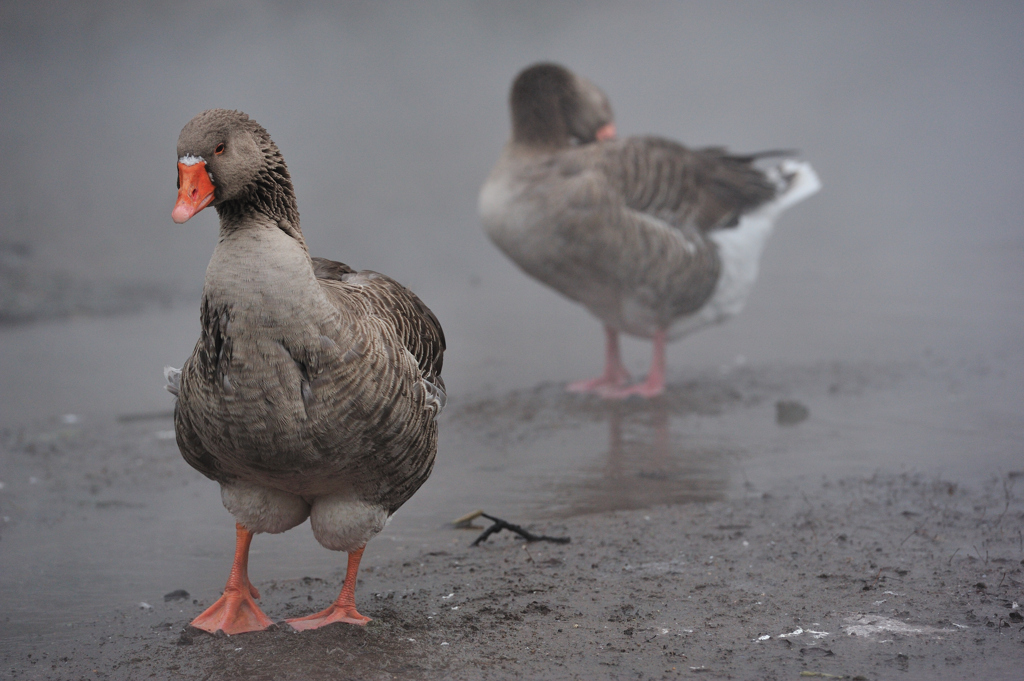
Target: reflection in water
644 466
559 454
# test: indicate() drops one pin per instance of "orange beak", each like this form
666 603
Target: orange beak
195 191
606 132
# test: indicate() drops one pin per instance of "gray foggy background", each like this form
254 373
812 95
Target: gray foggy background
391 114
889 303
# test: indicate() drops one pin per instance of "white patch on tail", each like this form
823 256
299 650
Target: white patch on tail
796 180
740 247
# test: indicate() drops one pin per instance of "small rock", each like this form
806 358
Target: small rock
176 595
790 412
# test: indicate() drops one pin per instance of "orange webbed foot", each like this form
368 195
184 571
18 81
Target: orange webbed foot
334 613
597 385
234 613
615 375
644 390
343 609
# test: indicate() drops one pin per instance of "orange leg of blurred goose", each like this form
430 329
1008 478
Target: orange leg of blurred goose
655 383
343 609
614 376
236 612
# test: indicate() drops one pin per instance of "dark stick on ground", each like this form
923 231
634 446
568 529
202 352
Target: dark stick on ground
500 525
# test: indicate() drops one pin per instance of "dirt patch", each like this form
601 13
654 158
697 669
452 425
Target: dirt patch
859 578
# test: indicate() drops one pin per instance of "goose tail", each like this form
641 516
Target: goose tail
796 181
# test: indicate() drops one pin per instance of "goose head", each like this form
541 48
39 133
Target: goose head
554 107
225 159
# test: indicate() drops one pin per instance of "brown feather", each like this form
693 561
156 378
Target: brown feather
308 378
708 188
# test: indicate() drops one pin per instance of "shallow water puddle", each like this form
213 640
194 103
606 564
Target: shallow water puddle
103 515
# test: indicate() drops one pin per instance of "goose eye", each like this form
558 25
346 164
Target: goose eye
219 150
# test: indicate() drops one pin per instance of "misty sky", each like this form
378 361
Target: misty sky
390 115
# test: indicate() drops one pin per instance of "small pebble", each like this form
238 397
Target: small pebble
790 412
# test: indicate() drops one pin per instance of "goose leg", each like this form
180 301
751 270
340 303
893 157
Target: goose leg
655 383
343 609
236 612
615 374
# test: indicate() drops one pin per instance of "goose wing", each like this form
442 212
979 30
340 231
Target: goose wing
613 254
708 188
413 322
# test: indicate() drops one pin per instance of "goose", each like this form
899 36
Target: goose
314 389
656 240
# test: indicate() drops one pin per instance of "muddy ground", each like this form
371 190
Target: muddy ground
703 572
889 577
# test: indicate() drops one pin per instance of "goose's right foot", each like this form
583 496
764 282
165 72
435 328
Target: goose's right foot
236 611
615 376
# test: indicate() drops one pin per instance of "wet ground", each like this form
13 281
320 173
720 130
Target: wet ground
838 469
865 517
879 578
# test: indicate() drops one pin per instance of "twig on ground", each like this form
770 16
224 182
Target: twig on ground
916 530
500 525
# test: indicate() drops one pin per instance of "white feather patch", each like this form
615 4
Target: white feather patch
343 523
436 397
740 248
190 160
262 509
173 378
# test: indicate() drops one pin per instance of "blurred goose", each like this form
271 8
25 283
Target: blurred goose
655 239
313 390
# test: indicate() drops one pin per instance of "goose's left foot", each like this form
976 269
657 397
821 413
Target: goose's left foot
615 375
655 383
343 609
647 390
599 384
